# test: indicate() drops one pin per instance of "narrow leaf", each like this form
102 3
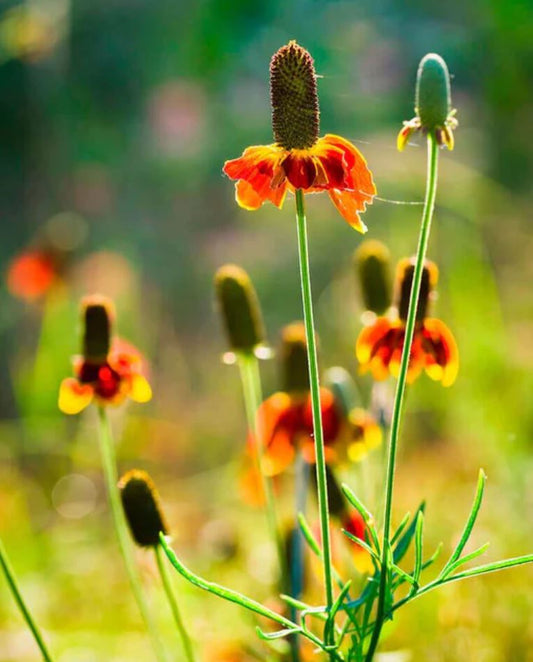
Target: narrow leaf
419 539
334 609
356 503
463 560
493 567
470 522
279 634
362 544
405 539
308 535
400 529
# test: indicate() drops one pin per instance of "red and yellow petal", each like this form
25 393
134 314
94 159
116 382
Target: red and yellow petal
73 396
141 391
259 176
369 337
441 356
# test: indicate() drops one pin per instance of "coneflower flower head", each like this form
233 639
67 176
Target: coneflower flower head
433 106
141 504
239 308
294 99
430 275
293 358
97 319
372 263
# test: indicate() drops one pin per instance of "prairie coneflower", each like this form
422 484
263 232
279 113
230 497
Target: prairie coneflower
380 344
433 106
299 158
109 370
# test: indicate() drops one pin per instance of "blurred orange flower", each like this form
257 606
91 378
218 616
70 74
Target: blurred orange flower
109 371
380 344
31 274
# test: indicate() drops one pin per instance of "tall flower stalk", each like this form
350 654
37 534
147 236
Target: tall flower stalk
433 103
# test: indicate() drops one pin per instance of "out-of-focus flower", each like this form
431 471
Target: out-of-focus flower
299 159
372 264
109 371
433 105
142 507
380 344
33 272
27 33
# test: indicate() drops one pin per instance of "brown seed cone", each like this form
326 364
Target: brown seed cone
404 283
142 508
294 99
97 319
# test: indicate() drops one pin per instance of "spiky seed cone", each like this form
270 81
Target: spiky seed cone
293 358
406 270
294 99
433 96
239 308
142 508
372 262
97 318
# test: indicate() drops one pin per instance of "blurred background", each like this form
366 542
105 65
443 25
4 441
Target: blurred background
116 118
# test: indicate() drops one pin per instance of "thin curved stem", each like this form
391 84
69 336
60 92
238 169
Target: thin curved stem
17 595
427 215
121 528
167 585
321 477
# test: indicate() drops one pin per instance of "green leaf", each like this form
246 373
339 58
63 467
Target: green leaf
470 522
365 514
419 538
279 634
405 540
362 544
330 625
308 535
400 529
464 559
356 503
493 567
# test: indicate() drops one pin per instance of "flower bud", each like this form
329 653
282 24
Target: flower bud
98 315
239 308
372 262
294 99
142 508
404 282
433 97
293 357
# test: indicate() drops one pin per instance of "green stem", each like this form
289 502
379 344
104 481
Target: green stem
121 528
17 595
321 478
167 585
427 215
251 386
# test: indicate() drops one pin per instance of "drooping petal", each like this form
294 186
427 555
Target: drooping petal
141 391
369 337
258 175
349 204
73 396
440 351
